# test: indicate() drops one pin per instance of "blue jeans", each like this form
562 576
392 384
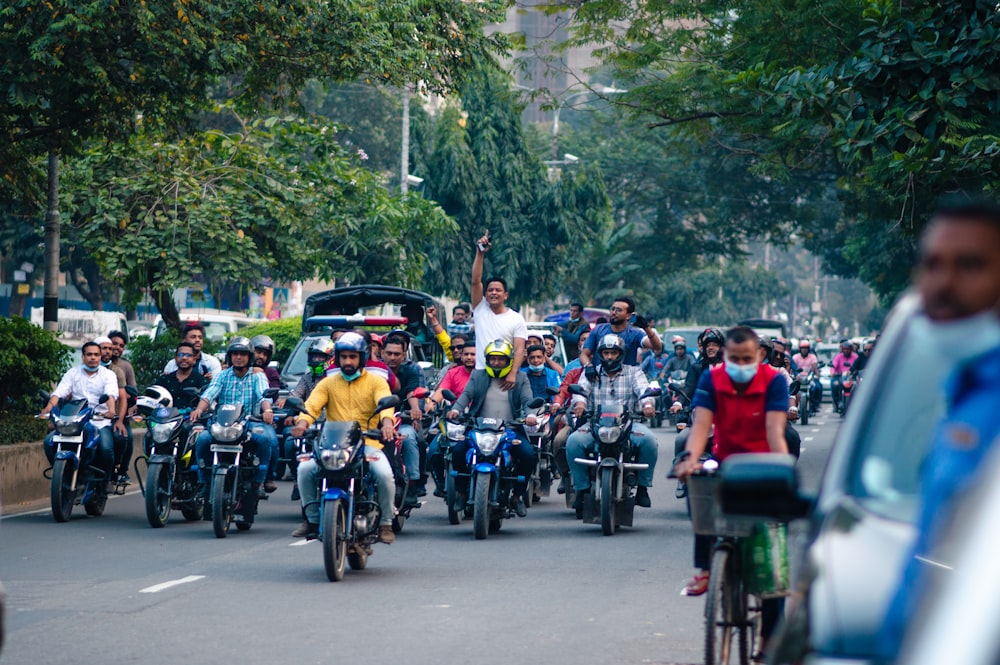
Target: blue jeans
581 441
411 452
263 440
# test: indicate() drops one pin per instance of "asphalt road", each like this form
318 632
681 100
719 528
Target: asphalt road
546 588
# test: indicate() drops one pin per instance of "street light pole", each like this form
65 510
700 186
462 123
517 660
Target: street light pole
404 171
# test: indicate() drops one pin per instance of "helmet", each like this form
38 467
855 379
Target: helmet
154 398
612 342
805 343
377 339
765 342
499 347
711 335
352 341
781 340
321 347
263 342
238 344
677 340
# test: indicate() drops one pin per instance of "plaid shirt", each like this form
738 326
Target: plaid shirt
625 388
227 388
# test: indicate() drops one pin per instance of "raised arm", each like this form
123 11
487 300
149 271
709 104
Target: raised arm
476 287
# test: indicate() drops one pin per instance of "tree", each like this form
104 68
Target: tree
281 200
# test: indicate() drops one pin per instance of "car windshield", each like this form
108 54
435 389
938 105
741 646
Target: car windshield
903 405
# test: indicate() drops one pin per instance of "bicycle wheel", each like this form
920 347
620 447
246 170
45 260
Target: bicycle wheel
724 618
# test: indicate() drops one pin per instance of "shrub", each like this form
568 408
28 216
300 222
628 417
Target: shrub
21 428
32 360
284 332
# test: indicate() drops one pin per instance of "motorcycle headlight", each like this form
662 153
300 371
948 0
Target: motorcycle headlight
487 442
334 459
609 434
68 427
163 431
226 434
455 432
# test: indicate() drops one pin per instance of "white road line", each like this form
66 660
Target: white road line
808 438
814 430
166 585
300 543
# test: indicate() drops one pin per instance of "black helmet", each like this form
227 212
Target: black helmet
711 335
611 342
263 342
351 341
319 355
236 345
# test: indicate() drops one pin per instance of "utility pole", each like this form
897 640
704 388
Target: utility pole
50 310
404 172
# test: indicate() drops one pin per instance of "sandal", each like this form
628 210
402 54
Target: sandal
697 586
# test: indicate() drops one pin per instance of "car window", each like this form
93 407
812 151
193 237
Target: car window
298 360
903 406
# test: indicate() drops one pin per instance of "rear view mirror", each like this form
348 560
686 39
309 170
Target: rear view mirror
794 387
271 393
131 391
536 403
295 403
577 389
387 402
761 485
551 391
448 395
421 393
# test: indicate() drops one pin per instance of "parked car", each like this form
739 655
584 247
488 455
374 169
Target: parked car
862 521
219 323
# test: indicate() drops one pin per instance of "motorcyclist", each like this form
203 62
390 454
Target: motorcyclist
680 361
637 335
455 380
777 359
349 395
540 375
410 378
121 430
88 381
484 397
866 353
570 332
237 384
653 364
614 383
320 353
263 351
842 364
186 376
807 362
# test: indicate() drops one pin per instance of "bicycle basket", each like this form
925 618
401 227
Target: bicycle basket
706 513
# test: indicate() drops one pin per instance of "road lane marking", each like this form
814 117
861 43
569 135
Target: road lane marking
814 430
808 438
172 583
300 543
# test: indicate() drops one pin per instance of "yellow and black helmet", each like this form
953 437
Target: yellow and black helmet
502 348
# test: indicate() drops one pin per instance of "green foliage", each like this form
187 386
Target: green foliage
284 332
21 428
150 355
32 360
718 295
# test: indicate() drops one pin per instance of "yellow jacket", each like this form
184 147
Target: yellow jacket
345 401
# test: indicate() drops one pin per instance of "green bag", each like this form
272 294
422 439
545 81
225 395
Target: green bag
765 560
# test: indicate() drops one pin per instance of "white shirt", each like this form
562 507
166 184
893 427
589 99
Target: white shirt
79 384
490 327
208 363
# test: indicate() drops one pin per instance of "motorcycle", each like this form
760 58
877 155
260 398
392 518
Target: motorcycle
233 497
171 469
613 477
349 508
76 478
449 433
491 469
850 384
806 406
677 378
540 436
394 452
662 406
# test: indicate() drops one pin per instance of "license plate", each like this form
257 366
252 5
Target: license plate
219 448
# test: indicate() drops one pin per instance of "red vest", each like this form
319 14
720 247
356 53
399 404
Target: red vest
740 418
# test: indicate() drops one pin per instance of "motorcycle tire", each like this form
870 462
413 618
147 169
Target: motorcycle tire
398 520
334 531
63 494
222 506
193 513
481 505
243 526
158 477
608 478
450 496
95 506
804 407
357 558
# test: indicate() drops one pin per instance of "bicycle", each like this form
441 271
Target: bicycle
733 608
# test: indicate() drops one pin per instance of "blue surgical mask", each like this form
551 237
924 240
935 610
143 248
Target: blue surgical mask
536 368
351 377
90 370
574 320
105 364
741 373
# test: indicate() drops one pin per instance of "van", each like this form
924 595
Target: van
219 323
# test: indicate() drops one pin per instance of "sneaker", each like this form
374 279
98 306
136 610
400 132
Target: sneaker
306 530
123 479
421 490
581 496
439 493
385 534
520 508
681 491
642 497
563 485
270 486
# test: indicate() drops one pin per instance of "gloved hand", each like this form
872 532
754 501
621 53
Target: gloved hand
590 371
640 322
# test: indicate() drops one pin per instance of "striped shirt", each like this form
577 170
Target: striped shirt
227 388
625 388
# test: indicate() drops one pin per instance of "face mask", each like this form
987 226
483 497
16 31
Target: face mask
741 373
536 368
351 377
574 320
961 339
90 370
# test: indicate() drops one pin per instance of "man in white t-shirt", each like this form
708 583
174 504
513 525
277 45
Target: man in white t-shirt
493 318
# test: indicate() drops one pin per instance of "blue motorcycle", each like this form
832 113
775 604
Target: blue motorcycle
349 508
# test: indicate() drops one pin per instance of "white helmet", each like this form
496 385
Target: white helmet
154 398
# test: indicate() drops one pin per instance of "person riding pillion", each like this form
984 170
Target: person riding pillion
349 395
615 383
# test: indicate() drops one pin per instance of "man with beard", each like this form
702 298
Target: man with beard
122 432
263 351
194 333
641 335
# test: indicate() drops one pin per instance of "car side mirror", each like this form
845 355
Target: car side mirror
761 485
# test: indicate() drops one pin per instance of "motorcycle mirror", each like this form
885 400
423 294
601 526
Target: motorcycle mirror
536 403
651 392
577 389
794 388
387 402
676 387
103 399
271 393
295 403
551 391
132 391
421 393
448 395
191 391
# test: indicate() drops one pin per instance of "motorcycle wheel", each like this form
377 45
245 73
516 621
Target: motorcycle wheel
222 507
95 507
398 520
192 514
608 477
450 496
804 407
62 494
481 506
334 529
158 495
357 558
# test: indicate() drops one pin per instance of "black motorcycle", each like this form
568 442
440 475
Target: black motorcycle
172 470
